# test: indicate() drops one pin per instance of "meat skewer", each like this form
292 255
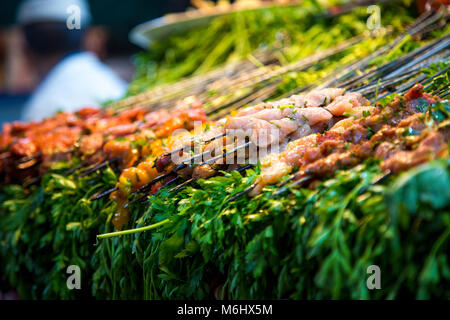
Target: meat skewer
100 128
350 156
221 156
249 117
431 145
289 113
181 117
271 175
299 115
312 99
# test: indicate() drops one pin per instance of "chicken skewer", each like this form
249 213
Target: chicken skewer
397 154
398 113
415 92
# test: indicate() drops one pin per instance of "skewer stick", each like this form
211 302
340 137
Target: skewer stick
224 155
96 167
185 183
29 158
182 185
381 177
437 74
157 179
385 84
93 181
164 175
193 140
245 191
445 94
72 170
148 185
287 180
102 194
296 183
397 67
441 89
417 27
144 195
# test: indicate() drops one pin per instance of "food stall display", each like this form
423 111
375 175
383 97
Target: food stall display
345 165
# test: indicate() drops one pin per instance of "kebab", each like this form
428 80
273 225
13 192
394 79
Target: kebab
137 141
295 117
392 143
98 138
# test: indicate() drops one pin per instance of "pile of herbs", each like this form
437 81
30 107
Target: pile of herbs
291 33
312 244
291 247
49 227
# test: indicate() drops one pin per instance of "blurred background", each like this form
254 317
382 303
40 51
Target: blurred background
107 37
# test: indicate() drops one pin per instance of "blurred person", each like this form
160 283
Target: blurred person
69 77
18 76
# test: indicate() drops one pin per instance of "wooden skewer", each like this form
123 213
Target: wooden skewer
142 197
97 166
383 176
192 141
296 183
102 194
241 193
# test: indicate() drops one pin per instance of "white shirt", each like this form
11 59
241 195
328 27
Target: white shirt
80 80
